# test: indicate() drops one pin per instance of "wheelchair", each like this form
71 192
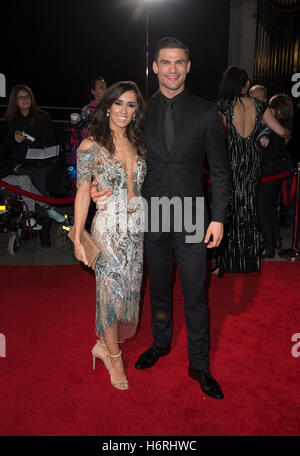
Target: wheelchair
14 220
62 241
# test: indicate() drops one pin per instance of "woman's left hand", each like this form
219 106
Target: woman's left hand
79 253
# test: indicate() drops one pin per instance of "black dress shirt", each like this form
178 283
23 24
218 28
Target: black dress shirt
177 109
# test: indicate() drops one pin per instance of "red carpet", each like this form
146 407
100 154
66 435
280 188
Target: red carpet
48 386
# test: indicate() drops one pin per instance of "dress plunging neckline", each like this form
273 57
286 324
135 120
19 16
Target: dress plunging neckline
134 174
137 160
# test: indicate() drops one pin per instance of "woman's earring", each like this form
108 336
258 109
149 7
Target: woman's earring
133 117
107 113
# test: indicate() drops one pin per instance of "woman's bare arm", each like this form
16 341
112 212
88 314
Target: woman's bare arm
272 123
81 207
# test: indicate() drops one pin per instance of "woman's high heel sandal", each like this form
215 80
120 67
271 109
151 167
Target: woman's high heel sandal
119 384
100 351
215 270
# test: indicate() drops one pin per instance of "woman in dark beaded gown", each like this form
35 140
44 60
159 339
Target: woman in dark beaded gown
240 250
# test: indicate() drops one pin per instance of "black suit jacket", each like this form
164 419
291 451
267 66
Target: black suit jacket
179 172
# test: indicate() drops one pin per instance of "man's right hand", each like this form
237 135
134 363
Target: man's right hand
101 198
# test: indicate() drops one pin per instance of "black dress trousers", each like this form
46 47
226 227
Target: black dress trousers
191 262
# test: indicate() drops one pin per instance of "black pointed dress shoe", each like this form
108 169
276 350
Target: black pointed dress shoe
207 383
150 356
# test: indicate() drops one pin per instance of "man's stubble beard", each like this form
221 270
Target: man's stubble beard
172 89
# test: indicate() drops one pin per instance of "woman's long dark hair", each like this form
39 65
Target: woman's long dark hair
13 111
99 129
233 81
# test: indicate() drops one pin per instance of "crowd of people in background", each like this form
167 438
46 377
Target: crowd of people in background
253 151
256 148
25 126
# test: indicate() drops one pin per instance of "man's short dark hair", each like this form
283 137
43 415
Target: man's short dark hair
170 42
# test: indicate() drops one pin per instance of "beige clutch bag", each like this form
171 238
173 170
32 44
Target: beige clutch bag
92 250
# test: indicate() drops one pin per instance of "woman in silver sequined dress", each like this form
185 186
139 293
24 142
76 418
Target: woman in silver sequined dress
113 154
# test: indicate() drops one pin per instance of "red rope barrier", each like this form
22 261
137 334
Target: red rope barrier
37 197
276 176
263 179
71 200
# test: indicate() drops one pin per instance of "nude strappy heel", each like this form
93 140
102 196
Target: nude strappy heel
117 383
100 351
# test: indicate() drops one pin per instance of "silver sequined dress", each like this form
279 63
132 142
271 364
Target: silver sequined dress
119 232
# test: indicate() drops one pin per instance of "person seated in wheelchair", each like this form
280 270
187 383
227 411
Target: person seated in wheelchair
8 173
29 126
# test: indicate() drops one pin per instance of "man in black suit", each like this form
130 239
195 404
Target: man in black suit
177 145
181 130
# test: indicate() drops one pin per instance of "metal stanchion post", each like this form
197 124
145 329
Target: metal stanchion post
294 256
147 51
